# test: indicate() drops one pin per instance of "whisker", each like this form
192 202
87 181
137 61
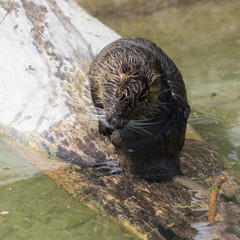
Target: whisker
133 129
139 124
140 131
94 117
129 133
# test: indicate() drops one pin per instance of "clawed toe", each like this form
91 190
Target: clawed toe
106 168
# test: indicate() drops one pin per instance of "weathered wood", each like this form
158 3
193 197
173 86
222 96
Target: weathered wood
213 198
46 47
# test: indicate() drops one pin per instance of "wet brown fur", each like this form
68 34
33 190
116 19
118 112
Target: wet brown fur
134 82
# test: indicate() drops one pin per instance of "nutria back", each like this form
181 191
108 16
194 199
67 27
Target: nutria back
141 101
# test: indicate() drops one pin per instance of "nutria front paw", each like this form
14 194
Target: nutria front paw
106 131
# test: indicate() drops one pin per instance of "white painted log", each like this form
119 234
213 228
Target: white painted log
41 42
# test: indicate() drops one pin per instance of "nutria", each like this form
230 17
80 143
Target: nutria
142 105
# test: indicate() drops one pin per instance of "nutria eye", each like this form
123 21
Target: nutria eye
125 68
141 97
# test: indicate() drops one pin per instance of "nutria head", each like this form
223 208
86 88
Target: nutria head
127 95
125 85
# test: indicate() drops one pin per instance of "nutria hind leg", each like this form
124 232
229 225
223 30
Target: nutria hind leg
163 171
106 168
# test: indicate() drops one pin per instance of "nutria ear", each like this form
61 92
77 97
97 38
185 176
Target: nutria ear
154 80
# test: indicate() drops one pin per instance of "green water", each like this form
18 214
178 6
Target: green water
33 207
203 39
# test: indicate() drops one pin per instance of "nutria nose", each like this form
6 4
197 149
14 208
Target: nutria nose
116 122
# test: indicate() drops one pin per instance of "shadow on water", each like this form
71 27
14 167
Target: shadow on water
33 207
